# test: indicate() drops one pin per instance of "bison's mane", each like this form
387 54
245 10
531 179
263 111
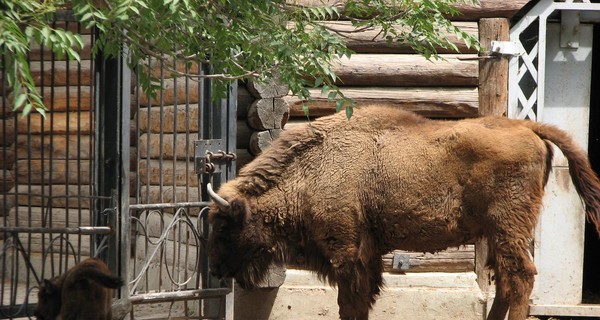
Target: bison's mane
265 171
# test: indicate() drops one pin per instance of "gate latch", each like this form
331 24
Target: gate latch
209 156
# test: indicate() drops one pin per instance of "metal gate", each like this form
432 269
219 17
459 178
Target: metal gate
182 138
117 173
53 211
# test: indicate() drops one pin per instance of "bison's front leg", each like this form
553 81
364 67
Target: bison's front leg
353 305
358 286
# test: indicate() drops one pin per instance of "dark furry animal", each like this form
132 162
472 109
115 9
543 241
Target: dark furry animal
84 292
340 193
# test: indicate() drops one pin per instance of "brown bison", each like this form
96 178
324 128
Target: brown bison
340 193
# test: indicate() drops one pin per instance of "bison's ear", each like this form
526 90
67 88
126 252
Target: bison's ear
240 210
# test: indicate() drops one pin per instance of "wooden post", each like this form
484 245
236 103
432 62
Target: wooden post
493 100
493 72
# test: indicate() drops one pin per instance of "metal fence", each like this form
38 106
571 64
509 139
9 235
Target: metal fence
114 172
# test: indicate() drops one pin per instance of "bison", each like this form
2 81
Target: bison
340 193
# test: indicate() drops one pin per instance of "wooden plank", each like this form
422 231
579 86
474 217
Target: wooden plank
370 40
460 259
151 172
54 146
57 123
430 102
493 73
493 100
569 311
167 146
60 172
58 99
391 70
54 196
483 8
169 119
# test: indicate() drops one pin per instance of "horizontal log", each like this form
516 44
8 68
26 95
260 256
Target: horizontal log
7 157
168 68
243 158
392 70
244 132
272 88
53 171
370 40
57 123
7 131
58 73
484 8
51 196
451 260
489 9
38 53
167 146
169 119
172 92
54 146
168 194
244 100
261 140
270 113
152 172
430 102
6 204
58 99
57 217
7 180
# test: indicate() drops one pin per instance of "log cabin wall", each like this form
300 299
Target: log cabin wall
457 86
47 169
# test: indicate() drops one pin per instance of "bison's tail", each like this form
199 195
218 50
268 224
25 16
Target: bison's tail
584 178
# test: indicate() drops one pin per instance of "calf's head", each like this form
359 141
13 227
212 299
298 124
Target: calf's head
240 245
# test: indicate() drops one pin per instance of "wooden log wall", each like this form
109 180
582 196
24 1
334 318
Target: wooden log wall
46 163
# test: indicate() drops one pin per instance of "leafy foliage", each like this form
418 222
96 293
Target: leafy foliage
239 38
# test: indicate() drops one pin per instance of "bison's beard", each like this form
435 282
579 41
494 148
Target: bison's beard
253 273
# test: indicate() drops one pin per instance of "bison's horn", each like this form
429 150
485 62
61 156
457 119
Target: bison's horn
222 203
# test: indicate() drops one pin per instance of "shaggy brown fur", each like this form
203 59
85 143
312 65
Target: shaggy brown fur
84 292
341 193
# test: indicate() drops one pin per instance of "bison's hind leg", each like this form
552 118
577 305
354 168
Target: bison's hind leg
514 276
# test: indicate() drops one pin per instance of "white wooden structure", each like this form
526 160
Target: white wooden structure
550 81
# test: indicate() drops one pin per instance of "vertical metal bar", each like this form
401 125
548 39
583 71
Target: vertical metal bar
124 219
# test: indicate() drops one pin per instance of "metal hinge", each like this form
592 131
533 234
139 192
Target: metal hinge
209 156
499 49
506 48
